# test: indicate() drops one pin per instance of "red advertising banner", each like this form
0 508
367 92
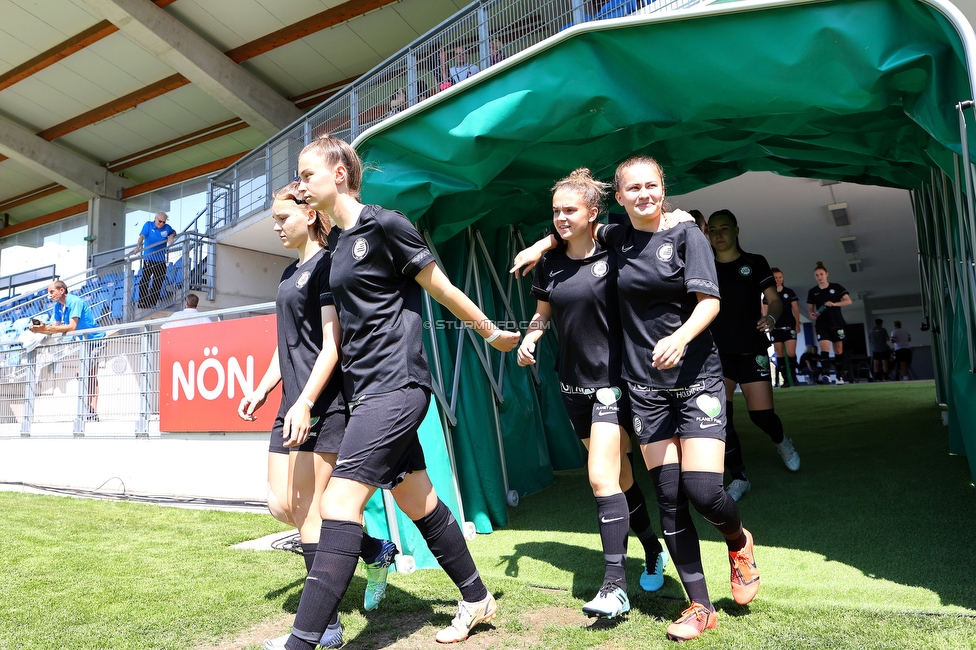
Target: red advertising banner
206 369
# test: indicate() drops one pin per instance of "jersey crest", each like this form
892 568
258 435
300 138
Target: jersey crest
303 279
665 252
599 269
359 249
745 271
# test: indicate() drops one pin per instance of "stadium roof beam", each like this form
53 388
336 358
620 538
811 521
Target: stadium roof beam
203 64
58 164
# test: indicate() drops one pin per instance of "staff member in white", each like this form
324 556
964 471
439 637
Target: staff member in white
900 338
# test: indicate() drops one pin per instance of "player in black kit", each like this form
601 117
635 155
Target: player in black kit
668 295
576 287
739 331
312 416
823 306
785 331
380 265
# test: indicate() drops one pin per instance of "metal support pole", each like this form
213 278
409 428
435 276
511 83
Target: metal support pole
30 393
353 114
81 408
412 77
484 51
579 13
145 383
967 219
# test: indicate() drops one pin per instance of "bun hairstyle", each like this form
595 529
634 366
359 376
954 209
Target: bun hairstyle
323 224
592 191
335 151
775 270
819 266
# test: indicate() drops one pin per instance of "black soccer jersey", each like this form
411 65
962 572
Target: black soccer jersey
786 319
741 282
658 275
831 316
374 266
303 291
583 297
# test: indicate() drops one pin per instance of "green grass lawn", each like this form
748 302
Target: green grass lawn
870 545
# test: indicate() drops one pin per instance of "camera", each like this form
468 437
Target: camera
34 321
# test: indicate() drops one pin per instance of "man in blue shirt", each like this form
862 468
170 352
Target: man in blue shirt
74 313
156 235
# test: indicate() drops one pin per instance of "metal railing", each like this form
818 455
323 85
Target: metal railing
103 387
475 38
113 289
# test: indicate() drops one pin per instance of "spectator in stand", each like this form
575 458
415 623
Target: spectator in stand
880 352
188 316
74 313
900 338
496 52
461 69
155 237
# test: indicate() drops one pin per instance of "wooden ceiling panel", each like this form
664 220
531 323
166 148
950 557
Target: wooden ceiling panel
46 205
384 32
297 68
218 21
344 49
128 56
66 18
424 15
36 105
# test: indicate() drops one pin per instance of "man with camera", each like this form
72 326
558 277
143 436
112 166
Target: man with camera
74 313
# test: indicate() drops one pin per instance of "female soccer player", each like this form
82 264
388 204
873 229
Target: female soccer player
823 306
785 331
312 416
577 286
380 264
668 295
739 330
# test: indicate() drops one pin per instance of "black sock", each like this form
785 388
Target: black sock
332 571
824 363
308 554
733 449
704 490
614 519
769 422
370 548
781 370
446 542
679 532
839 367
640 523
792 371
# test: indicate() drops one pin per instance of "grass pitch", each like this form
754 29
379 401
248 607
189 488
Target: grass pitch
869 545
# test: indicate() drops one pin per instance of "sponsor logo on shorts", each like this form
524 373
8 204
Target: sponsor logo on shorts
690 391
608 396
639 388
840 333
599 269
762 361
575 390
665 252
711 407
359 248
745 270
303 279
638 425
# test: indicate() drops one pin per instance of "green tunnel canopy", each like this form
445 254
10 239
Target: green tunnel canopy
862 91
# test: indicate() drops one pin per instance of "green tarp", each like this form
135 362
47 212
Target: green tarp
862 91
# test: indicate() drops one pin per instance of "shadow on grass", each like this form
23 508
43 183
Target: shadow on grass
877 491
401 614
